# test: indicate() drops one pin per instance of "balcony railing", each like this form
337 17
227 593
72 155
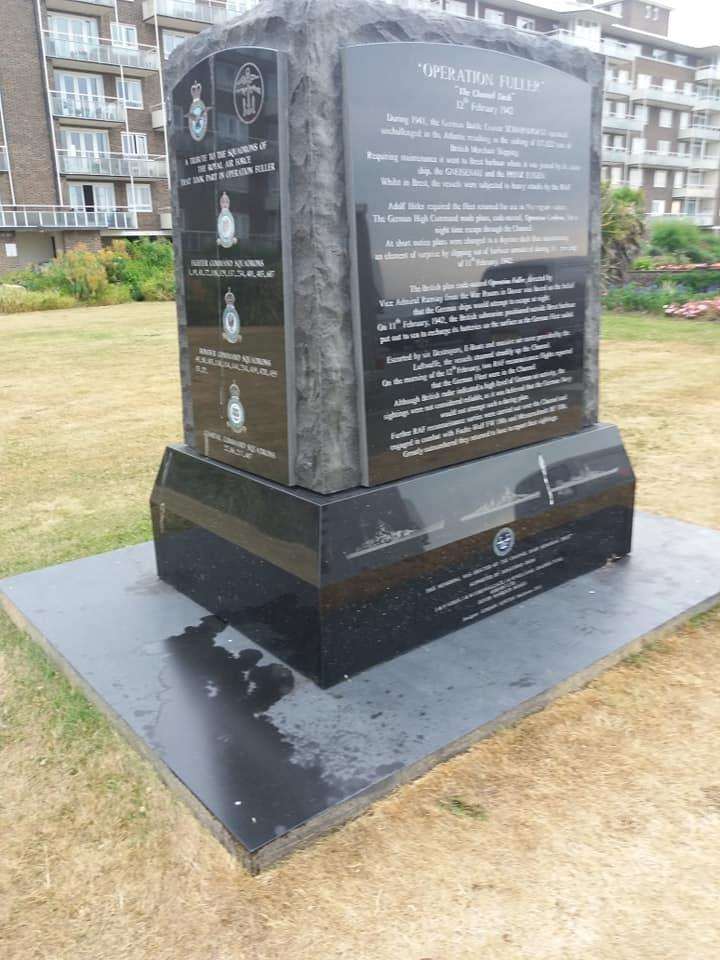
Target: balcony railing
682 161
610 48
699 131
157 116
655 94
196 11
4 160
622 88
87 106
80 6
613 121
698 191
700 219
75 163
708 74
708 102
66 218
65 46
614 155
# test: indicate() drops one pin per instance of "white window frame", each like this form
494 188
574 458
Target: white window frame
657 208
494 16
660 179
175 34
131 141
665 119
526 23
124 35
120 93
145 188
635 177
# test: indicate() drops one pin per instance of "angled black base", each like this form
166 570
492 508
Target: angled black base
335 584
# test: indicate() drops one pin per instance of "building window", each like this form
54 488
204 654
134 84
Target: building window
679 179
666 119
681 59
644 80
616 175
135 144
660 179
668 85
494 16
171 40
663 146
139 197
657 208
130 92
92 196
456 7
638 145
123 35
635 179
82 142
525 23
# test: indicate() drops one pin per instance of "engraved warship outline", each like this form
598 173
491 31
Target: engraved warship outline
249 89
586 475
230 319
197 115
385 536
494 505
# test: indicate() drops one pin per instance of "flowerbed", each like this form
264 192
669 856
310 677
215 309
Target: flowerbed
695 310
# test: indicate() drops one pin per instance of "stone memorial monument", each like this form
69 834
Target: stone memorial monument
387 249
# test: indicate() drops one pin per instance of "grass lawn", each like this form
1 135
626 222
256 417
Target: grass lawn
590 830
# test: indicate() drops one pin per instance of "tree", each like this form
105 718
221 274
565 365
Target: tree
622 214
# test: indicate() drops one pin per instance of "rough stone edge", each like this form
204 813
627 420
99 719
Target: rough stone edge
312 32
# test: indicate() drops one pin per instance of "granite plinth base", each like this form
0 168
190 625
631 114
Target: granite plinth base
268 760
334 584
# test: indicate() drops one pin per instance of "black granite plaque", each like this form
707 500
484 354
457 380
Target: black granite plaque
468 181
228 134
334 584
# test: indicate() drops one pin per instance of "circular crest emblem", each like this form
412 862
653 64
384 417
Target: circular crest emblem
503 542
248 93
197 114
226 224
235 410
231 319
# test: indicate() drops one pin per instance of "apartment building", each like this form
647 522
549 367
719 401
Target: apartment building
83 154
661 119
82 138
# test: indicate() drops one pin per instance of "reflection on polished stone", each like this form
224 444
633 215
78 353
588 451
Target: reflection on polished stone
335 584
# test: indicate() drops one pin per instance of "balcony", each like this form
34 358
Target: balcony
612 121
699 219
708 74
707 102
157 116
618 88
66 218
614 155
102 55
676 161
702 191
4 160
660 97
699 131
193 15
86 109
610 48
113 165
87 7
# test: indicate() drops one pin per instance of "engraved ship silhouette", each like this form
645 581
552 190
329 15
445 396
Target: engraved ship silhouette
385 536
586 475
505 500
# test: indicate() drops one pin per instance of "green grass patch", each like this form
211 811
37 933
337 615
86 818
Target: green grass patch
660 329
461 808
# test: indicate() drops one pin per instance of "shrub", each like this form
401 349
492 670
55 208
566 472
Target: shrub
125 270
695 309
15 299
623 226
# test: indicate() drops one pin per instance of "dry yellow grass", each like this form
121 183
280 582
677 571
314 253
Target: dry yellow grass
598 821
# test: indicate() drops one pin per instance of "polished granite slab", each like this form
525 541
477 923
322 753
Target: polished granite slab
265 757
